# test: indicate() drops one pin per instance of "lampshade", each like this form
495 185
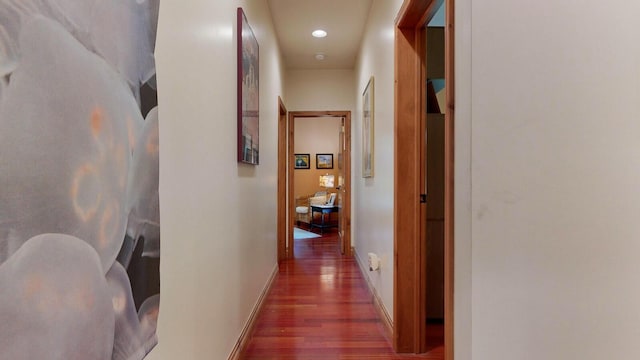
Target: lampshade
327 181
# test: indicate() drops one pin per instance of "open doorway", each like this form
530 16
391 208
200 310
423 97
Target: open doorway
435 215
322 167
423 239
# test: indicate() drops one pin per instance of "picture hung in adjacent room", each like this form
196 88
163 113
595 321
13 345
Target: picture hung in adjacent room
301 161
79 203
248 93
367 129
324 161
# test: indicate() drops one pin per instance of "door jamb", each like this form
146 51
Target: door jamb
282 181
410 162
346 206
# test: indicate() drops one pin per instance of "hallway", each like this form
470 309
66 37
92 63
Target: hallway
320 308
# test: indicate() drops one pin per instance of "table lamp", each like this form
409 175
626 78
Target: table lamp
327 181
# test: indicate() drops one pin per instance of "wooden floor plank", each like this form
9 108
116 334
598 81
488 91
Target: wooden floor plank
320 308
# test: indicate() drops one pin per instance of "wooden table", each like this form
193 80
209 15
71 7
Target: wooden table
323 209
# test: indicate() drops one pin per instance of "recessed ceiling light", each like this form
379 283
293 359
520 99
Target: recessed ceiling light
319 33
320 56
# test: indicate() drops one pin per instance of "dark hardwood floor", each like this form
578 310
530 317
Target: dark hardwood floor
320 308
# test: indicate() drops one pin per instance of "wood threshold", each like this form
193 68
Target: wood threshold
241 345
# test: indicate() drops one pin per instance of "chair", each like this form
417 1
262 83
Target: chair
303 206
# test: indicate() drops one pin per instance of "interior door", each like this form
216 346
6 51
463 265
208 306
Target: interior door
342 188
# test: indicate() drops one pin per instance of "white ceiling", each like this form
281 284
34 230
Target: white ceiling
343 20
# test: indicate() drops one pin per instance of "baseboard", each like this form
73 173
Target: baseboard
247 331
377 301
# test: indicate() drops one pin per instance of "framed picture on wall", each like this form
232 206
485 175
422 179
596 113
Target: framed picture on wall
248 94
301 161
324 161
367 129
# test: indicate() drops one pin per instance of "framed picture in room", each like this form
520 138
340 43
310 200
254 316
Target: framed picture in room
367 129
324 161
301 161
248 93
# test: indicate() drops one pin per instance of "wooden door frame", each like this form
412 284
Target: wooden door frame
282 180
410 173
346 205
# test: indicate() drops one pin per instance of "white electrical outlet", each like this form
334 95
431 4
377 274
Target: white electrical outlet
374 262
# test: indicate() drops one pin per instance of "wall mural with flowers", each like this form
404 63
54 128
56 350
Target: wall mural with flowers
79 206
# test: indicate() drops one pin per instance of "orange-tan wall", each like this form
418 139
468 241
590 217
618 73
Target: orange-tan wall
315 136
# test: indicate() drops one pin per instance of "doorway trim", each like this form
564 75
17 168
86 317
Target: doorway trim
346 205
282 181
410 176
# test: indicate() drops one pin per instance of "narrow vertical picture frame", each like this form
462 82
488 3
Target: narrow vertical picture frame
248 93
368 130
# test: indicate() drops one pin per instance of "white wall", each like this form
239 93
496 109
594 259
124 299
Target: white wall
462 301
311 90
373 205
218 217
555 177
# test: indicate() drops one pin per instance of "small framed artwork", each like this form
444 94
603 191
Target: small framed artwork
367 130
301 161
248 95
324 161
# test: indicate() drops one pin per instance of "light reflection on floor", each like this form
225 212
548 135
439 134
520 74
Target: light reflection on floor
320 308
